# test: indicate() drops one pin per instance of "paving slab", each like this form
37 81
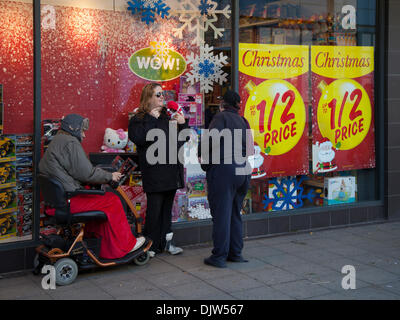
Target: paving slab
296 266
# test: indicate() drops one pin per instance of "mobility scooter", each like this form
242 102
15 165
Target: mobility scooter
71 250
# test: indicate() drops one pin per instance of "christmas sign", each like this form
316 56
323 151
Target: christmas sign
273 82
343 108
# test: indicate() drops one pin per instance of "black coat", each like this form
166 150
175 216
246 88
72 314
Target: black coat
157 177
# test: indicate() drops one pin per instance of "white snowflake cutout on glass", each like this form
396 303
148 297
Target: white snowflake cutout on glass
199 16
148 9
161 49
206 68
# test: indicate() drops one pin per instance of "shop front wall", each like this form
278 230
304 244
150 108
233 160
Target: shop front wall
306 75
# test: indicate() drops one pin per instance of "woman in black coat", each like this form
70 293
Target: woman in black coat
162 173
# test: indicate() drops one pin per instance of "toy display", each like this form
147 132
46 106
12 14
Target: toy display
8 190
340 190
24 173
50 129
1 109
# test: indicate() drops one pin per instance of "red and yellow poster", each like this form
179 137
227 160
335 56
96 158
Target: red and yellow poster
273 84
343 108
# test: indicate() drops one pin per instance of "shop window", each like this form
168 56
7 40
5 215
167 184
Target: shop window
16 122
96 57
306 75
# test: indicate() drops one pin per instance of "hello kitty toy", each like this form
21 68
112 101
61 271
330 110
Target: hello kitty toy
114 140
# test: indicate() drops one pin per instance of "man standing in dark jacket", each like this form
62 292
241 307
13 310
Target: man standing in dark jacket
224 158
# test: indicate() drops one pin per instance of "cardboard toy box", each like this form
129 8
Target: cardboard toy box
138 199
8 225
179 209
339 190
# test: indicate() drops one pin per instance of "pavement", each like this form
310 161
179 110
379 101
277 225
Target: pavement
290 267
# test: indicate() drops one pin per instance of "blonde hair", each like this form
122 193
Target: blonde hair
145 97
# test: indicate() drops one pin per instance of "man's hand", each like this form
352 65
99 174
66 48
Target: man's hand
116 176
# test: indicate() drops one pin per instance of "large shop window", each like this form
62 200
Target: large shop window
16 121
96 57
306 77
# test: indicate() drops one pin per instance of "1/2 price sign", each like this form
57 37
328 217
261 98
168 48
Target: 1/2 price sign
273 83
343 113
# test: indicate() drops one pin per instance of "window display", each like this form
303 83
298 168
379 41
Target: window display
306 79
333 96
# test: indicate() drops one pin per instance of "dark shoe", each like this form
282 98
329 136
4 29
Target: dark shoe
237 259
211 262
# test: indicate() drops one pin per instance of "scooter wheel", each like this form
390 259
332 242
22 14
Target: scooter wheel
142 259
66 271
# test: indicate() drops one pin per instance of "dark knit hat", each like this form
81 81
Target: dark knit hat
74 124
231 97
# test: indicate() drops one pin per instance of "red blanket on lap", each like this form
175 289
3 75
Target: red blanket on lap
117 238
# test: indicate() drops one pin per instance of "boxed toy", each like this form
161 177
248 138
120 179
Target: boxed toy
246 206
179 208
8 201
198 208
7 148
138 199
196 186
7 175
192 105
8 225
339 190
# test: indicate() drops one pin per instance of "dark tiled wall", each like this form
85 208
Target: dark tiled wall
263 225
392 121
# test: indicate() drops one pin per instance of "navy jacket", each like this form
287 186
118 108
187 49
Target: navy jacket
228 151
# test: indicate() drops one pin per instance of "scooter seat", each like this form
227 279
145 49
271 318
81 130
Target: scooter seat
88 216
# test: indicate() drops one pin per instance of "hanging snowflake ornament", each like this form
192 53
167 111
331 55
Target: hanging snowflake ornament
206 68
161 49
199 16
148 9
287 194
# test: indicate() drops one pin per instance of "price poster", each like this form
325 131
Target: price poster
343 108
274 82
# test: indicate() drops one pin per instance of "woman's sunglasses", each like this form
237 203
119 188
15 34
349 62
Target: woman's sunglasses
159 94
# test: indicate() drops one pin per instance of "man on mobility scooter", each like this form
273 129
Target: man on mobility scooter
94 229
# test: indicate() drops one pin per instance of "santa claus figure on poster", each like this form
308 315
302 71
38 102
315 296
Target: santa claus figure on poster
256 161
325 156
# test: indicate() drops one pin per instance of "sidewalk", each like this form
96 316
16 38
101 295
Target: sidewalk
299 266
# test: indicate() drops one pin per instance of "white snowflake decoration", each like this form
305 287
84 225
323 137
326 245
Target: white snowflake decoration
149 3
206 68
161 49
199 16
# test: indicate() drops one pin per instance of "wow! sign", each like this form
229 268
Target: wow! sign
150 65
273 85
343 108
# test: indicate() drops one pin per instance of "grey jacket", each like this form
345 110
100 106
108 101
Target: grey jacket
66 160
